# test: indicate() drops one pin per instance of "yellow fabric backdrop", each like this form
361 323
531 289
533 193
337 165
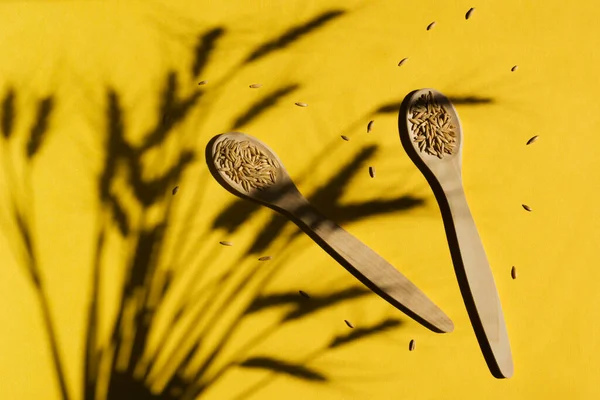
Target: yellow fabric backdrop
73 73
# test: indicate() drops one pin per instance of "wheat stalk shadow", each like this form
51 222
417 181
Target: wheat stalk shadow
134 376
122 367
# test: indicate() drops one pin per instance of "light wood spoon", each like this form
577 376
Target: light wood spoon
249 169
444 175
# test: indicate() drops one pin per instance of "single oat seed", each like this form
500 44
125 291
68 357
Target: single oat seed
411 345
370 126
372 172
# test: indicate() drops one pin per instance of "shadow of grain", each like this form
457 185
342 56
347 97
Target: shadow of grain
393 107
336 343
364 332
207 43
40 127
145 284
292 35
283 367
7 121
317 303
263 105
22 235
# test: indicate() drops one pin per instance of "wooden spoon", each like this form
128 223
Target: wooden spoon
443 172
249 169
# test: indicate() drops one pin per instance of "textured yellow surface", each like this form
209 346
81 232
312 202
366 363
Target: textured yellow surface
345 69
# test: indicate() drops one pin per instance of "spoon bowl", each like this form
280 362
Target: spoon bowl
248 168
410 111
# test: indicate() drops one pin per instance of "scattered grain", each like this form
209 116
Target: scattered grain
403 61
245 164
304 294
370 126
226 243
175 190
513 69
202 83
411 345
430 26
513 273
533 139
372 172
349 324
346 138
300 104
265 258
525 206
432 126
256 85
468 14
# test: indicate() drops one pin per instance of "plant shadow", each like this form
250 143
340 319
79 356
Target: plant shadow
137 205
133 371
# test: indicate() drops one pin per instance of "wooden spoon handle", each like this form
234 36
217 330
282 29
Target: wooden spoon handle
477 284
370 268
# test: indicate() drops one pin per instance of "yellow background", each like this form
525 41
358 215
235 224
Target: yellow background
345 70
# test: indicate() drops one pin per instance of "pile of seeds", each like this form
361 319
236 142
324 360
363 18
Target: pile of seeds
432 127
245 164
